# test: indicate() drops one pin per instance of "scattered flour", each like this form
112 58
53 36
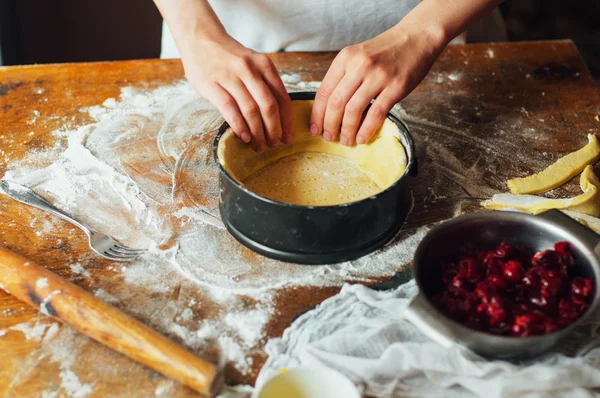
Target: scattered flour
58 346
186 316
36 115
78 269
33 332
41 283
163 387
106 297
143 172
71 383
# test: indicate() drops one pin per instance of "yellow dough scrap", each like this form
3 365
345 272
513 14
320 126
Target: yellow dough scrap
592 223
560 172
586 203
383 160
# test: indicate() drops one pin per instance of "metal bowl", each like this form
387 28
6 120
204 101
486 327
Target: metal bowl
485 229
315 234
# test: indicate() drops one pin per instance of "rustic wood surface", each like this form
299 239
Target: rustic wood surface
484 113
68 303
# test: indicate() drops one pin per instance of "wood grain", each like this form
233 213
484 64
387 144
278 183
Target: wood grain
64 301
485 113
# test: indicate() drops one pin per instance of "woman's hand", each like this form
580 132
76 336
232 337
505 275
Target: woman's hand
244 85
385 68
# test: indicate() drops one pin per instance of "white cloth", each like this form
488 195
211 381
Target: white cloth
362 334
315 25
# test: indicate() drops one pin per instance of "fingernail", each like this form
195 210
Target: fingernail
287 139
344 140
314 130
274 144
360 139
327 136
245 137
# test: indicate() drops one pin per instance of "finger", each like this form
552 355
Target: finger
228 107
375 116
269 109
332 78
336 106
249 110
354 112
273 80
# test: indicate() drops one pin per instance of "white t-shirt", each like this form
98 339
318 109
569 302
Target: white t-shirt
308 25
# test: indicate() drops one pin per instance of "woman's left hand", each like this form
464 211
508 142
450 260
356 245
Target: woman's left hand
386 68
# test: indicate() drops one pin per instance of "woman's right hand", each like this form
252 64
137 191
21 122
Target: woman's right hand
244 85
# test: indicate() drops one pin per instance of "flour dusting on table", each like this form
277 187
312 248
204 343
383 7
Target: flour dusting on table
142 171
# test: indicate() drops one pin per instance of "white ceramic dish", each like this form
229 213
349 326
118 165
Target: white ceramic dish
304 382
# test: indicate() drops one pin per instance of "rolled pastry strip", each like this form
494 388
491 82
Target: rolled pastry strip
560 172
586 203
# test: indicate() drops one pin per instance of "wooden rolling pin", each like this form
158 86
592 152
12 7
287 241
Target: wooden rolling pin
104 323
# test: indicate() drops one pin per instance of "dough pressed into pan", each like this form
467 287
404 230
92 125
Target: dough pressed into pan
312 171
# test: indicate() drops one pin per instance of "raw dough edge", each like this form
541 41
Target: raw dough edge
383 159
586 203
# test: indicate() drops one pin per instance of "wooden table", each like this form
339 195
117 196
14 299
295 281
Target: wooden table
483 114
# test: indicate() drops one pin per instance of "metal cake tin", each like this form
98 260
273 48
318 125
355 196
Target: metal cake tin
316 234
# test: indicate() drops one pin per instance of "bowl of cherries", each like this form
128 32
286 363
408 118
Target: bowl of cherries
505 284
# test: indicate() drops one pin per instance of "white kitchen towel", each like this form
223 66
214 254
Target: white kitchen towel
362 334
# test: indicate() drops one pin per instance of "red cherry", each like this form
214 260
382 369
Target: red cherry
485 290
546 259
539 300
529 324
512 271
531 279
495 311
458 286
449 271
515 293
582 287
569 311
493 265
504 250
551 283
562 248
497 280
518 330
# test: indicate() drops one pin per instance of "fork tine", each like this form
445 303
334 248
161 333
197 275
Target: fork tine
117 254
110 256
127 250
118 259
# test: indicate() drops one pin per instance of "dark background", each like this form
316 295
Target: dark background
35 31
50 31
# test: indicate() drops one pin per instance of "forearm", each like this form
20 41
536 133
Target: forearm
191 19
443 20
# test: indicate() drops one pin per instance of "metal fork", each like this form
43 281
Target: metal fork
102 244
